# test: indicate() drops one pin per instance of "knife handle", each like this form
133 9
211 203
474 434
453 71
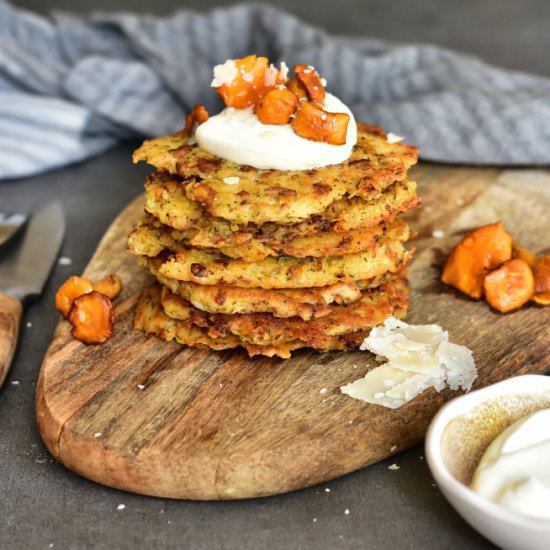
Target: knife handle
11 311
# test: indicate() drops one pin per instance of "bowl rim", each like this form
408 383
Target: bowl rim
529 383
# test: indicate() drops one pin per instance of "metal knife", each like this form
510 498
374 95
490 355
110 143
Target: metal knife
23 273
10 226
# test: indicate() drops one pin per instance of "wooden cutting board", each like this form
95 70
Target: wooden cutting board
159 419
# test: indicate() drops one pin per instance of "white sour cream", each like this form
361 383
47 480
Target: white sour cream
237 135
514 472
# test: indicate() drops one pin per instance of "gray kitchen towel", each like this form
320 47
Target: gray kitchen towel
71 88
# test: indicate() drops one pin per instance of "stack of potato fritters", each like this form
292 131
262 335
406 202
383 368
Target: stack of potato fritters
273 260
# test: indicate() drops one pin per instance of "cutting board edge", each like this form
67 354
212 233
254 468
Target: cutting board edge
112 468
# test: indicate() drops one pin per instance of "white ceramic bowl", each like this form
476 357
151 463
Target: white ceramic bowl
457 438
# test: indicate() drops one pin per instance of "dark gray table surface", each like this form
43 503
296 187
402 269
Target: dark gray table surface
43 505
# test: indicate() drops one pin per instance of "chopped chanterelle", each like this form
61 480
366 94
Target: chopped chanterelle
488 263
93 318
481 251
253 82
510 286
541 273
242 82
111 286
197 116
277 106
312 122
311 81
71 289
88 307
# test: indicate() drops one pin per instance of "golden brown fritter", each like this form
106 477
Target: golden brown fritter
209 268
150 237
150 317
262 329
283 197
306 303
166 200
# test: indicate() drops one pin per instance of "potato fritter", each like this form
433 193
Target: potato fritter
150 317
209 268
167 201
306 303
262 329
284 197
150 237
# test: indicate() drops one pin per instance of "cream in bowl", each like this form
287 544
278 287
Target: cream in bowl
462 433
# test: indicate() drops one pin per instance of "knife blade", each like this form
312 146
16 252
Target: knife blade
10 226
23 273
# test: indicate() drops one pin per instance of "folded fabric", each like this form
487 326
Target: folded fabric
71 88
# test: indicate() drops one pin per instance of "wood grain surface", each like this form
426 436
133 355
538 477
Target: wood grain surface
159 419
11 310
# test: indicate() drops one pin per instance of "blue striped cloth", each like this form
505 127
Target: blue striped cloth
72 88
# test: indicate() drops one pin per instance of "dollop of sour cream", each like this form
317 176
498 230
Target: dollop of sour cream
237 135
514 472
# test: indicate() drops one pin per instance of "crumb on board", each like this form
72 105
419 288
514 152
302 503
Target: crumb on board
393 467
121 507
64 260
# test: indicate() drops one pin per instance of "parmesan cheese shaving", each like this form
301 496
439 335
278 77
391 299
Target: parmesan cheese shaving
232 180
394 138
284 70
270 76
417 357
224 73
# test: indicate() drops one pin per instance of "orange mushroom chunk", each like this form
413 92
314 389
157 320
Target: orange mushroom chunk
277 106
296 87
253 78
510 286
482 250
310 79
522 253
312 122
93 318
197 116
541 274
111 286
71 289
